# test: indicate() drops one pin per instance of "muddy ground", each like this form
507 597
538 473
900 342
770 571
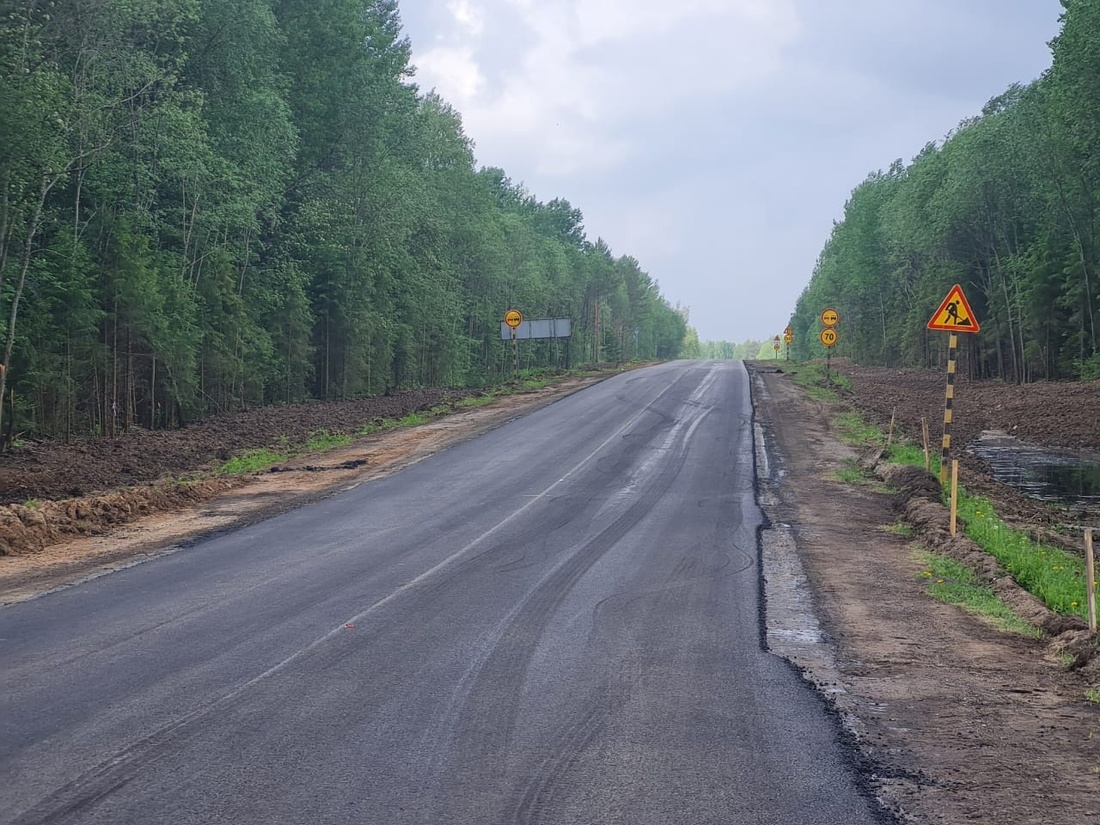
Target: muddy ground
959 722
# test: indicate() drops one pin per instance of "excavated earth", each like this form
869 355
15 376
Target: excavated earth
958 721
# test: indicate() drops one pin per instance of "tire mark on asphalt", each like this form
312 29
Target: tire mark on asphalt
100 781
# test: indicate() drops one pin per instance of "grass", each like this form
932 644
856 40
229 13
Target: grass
954 583
811 377
324 440
251 461
912 455
1054 575
858 432
851 474
1093 695
899 529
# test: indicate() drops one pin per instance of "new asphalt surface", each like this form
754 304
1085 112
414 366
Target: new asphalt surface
557 622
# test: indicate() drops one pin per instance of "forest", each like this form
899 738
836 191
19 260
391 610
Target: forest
1007 206
210 205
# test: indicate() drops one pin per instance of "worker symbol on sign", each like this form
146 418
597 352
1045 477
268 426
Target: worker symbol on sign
955 314
952 310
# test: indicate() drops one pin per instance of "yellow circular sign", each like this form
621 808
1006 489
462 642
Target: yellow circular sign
830 318
828 337
512 318
788 337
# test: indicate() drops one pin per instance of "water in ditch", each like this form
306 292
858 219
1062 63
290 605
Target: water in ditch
1070 477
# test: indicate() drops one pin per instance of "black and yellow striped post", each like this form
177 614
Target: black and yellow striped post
953 316
952 361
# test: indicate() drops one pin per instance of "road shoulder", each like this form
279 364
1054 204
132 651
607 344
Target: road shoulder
959 721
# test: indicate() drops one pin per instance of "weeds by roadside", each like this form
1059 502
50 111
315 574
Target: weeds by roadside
257 460
1053 575
954 583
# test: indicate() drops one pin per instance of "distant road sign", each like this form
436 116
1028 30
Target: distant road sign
538 328
955 314
788 336
828 337
830 318
513 318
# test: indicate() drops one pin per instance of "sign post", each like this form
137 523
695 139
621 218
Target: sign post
829 318
788 338
775 346
513 319
828 337
953 316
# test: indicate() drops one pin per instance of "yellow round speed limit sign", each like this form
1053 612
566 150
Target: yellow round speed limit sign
828 337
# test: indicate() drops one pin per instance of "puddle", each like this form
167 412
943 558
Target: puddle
1049 474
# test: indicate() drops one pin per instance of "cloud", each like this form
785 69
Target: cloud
593 77
716 140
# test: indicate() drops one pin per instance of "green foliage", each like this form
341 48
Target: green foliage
209 205
851 474
955 583
1052 574
858 432
323 440
1008 206
252 461
729 351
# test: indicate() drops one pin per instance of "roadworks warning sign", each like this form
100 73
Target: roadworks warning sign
955 314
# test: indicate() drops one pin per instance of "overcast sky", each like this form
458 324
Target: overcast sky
716 141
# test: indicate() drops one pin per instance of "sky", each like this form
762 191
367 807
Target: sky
717 141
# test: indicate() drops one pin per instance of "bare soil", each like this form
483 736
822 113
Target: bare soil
960 722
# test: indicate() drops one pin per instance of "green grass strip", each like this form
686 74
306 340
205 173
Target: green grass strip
955 583
1054 575
252 461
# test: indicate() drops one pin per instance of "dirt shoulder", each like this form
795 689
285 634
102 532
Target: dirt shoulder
960 722
72 539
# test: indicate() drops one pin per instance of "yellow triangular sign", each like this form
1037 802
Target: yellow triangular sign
955 314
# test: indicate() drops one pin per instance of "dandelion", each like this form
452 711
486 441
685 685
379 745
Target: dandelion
939 581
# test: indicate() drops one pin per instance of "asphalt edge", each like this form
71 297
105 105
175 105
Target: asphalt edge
791 630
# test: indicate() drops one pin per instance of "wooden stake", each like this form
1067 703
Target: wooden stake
954 495
927 452
1090 578
890 437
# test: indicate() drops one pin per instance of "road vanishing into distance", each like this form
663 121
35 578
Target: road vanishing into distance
556 622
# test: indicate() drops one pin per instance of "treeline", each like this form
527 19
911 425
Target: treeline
213 204
729 351
1008 206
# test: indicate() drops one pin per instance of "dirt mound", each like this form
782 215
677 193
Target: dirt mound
55 470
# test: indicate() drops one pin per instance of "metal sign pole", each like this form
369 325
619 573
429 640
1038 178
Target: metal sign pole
515 356
952 351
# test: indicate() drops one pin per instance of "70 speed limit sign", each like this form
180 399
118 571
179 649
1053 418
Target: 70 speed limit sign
828 337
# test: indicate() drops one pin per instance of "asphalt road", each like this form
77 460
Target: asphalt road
557 622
